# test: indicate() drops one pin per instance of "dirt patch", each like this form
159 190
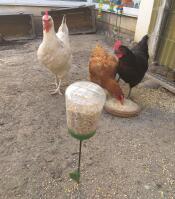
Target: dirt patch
127 158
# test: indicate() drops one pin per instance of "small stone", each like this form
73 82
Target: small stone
149 84
147 187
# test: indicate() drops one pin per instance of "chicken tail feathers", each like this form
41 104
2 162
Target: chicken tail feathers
64 19
63 27
144 41
143 46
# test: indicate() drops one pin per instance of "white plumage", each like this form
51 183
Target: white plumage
54 52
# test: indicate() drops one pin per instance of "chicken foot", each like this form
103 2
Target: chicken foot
58 84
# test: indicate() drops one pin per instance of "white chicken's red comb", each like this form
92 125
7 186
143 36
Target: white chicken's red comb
46 14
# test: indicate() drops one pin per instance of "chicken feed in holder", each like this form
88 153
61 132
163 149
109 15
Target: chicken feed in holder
84 104
127 109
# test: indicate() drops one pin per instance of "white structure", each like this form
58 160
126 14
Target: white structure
144 18
55 3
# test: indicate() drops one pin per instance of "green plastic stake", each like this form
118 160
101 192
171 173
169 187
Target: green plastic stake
76 174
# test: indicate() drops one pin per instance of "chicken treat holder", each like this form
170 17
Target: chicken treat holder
84 104
128 109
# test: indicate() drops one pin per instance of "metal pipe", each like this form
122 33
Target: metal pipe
79 159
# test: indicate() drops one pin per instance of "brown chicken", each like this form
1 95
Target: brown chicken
102 71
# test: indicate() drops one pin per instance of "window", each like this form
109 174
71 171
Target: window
129 9
134 4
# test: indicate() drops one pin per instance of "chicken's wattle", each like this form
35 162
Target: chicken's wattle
46 26
120 55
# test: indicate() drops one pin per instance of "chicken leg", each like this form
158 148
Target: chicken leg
118 79
129 92
58 84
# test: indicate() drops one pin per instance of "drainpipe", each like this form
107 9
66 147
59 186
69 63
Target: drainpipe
159 27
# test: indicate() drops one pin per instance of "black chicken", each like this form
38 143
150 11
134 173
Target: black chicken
133 63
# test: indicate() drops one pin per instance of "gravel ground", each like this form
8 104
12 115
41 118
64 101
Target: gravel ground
130 158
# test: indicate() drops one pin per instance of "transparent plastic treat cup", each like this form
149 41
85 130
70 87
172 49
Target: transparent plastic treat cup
84 104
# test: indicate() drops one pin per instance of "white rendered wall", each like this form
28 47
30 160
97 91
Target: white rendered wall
144 18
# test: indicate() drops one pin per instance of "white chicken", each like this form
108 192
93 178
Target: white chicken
54 52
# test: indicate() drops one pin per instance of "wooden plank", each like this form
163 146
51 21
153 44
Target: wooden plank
17 26
162 81
79 20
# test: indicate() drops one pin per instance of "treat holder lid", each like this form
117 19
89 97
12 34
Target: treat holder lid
85 93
